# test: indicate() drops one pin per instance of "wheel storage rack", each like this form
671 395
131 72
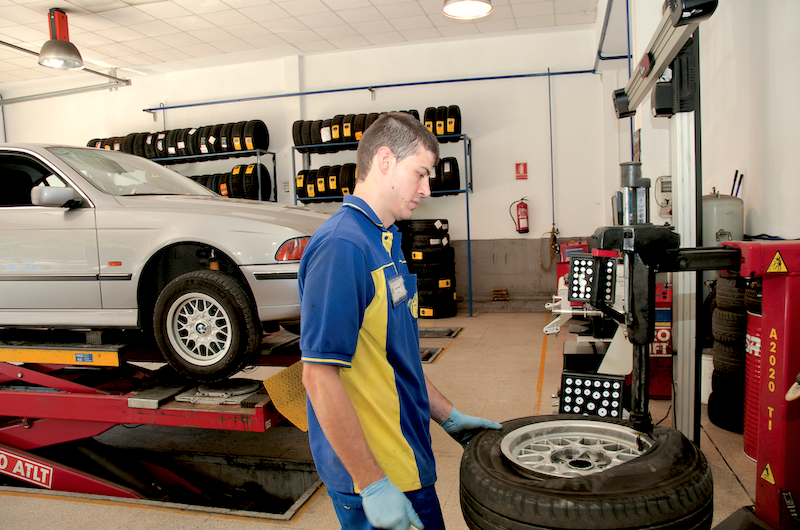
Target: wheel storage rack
258 153
56 393
466 190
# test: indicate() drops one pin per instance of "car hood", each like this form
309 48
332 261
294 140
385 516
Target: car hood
296 217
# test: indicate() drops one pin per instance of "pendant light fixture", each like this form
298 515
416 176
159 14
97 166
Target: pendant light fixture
59 52
467 9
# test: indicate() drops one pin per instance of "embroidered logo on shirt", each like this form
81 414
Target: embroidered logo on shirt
413 306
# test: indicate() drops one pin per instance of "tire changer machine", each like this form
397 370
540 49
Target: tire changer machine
647 249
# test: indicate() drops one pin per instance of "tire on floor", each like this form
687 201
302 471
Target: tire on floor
668 486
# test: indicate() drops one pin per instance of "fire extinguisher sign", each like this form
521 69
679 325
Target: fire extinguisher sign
522 170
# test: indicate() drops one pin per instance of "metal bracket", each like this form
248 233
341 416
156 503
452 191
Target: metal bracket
163 111
722 232
791 506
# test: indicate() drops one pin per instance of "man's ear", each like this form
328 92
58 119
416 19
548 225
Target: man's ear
384 159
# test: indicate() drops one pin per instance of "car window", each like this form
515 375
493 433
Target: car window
18 175
122 174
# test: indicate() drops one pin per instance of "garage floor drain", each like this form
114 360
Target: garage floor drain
438 333
428 355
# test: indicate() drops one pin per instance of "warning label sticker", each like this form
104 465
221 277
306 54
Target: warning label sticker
27 470
777 264
767 474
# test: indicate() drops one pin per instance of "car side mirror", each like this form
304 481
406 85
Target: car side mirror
55 197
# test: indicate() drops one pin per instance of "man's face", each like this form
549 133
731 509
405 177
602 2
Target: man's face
410 182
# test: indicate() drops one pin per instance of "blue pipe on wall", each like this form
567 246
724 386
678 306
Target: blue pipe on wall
370 88
599 57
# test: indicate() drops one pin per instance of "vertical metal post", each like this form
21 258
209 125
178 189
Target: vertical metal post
640 290
684 307
640 302
698 198
467 190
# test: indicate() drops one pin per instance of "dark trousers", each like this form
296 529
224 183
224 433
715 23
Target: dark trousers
351 513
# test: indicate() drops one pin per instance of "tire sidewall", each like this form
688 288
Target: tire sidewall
225 291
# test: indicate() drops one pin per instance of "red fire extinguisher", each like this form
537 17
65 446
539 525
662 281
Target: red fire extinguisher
521 219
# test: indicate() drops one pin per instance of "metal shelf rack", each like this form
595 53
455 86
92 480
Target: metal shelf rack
466 190
258 153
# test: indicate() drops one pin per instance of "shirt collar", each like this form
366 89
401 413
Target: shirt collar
357 203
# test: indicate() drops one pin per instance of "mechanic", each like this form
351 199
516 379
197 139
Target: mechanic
369 402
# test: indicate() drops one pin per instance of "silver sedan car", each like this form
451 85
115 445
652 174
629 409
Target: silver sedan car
97 239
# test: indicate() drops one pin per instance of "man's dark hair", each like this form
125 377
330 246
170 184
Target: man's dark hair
400 132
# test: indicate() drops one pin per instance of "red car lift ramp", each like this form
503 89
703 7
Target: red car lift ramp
43 404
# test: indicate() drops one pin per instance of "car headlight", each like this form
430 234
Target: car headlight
292 250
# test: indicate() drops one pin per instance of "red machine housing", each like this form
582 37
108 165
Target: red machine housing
778 483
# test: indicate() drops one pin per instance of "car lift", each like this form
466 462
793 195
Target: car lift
56 393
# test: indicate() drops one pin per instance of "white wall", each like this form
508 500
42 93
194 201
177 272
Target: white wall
508 120
750 110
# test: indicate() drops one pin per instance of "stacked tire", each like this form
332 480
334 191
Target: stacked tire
326 184
343 131
444 122
224 139
340 133
245 181
446 177
426 246
728 328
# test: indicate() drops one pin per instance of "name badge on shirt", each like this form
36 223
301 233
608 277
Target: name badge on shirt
397 290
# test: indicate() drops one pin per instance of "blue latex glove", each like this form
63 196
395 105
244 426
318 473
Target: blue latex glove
462 427
387 507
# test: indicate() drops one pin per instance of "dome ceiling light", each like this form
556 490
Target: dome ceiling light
467 9
59 52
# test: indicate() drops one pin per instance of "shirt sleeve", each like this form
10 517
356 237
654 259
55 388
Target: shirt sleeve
334 293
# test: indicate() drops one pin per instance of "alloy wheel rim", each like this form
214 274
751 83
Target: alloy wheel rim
199 329
572 448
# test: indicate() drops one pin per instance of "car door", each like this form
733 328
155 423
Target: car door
49 258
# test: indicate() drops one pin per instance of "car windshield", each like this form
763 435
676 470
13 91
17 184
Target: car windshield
122 174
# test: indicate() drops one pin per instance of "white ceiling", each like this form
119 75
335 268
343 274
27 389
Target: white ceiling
156 36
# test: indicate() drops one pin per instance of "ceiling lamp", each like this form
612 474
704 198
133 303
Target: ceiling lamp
59 52
467 9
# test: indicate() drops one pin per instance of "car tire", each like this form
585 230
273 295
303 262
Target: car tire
668 485
727 326
728 358
205 325
730 294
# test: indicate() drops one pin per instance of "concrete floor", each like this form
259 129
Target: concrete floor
500 366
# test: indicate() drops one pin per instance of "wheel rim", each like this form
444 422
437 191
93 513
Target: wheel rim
199 329
572 448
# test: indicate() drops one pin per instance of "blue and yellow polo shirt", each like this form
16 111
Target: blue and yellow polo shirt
349 319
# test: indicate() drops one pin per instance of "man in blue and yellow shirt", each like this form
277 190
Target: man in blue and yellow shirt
369 402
